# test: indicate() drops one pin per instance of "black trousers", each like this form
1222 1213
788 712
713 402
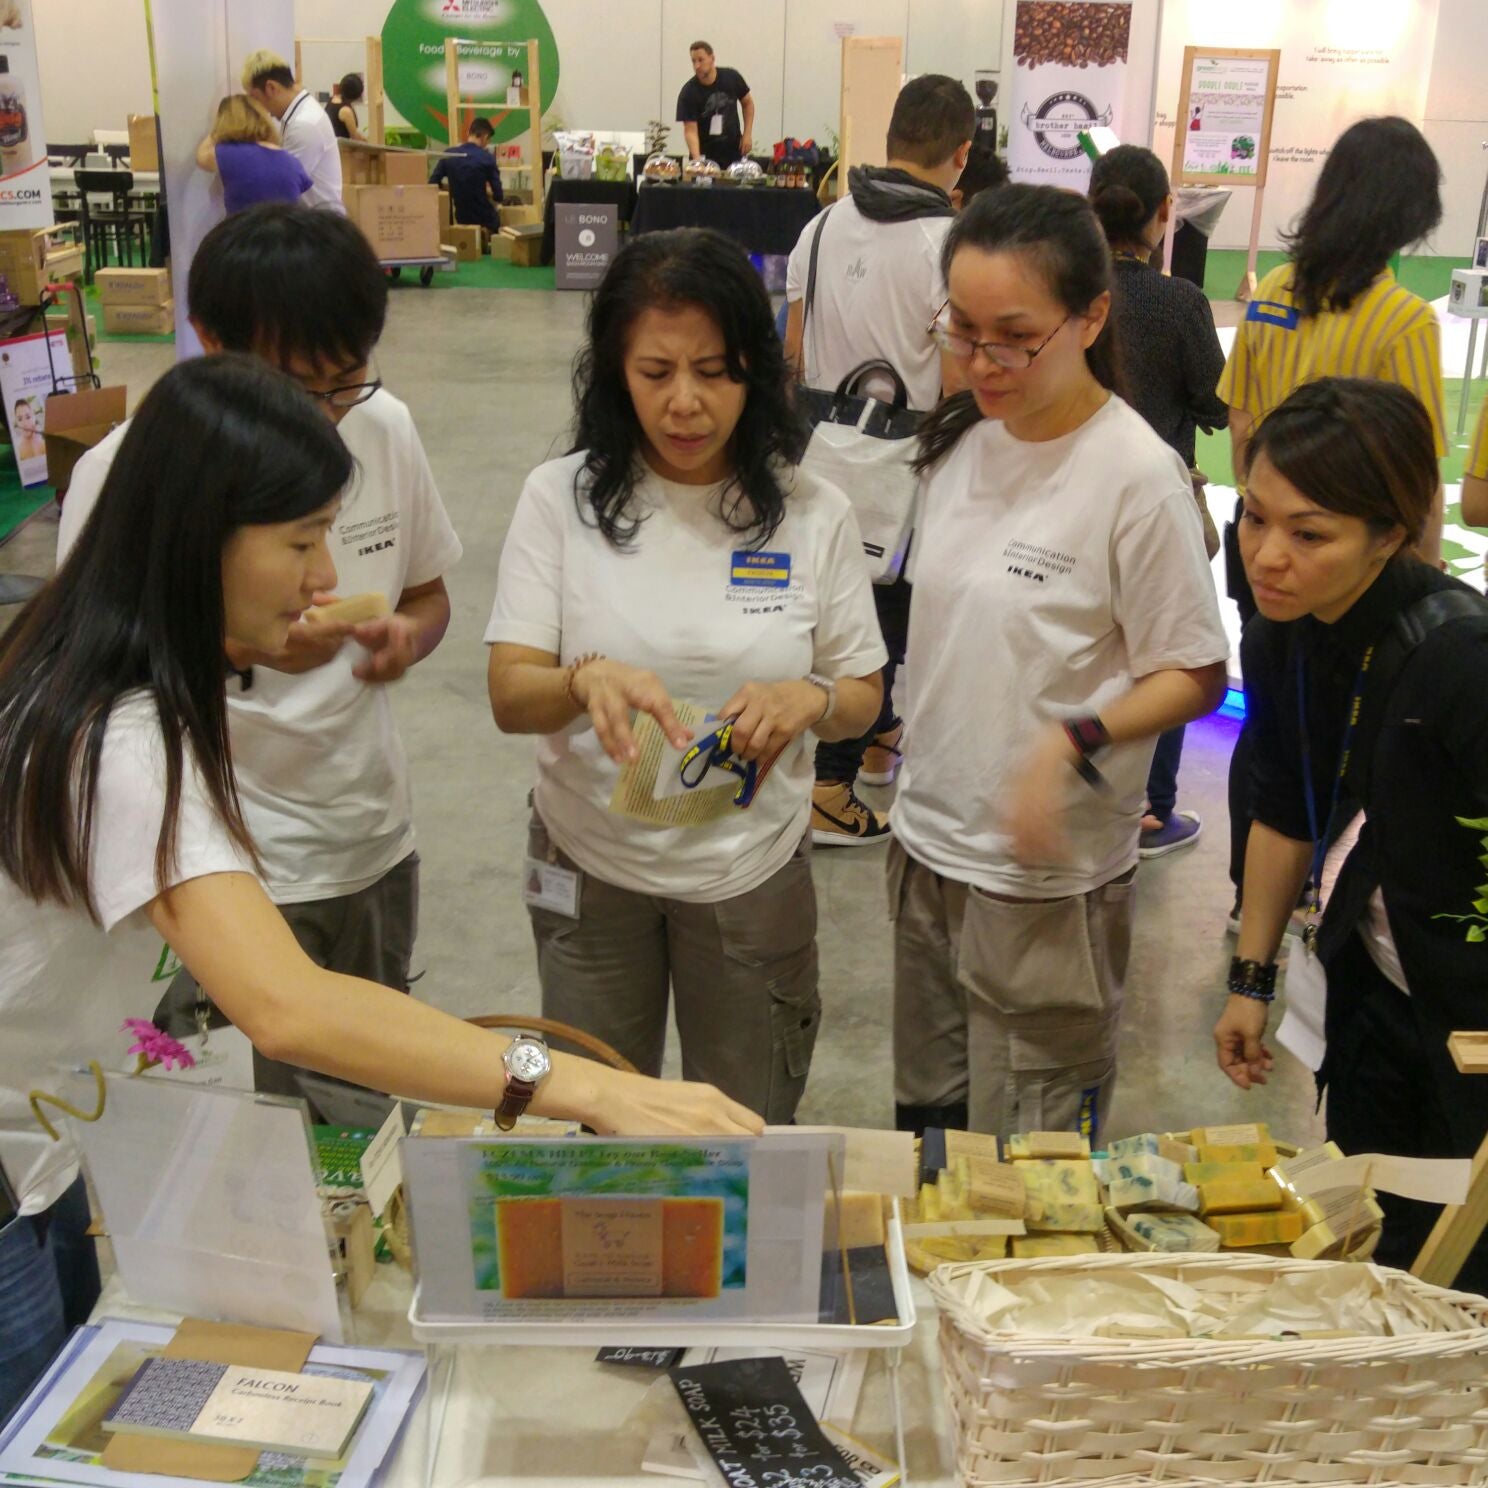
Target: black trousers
1392 1088
841 761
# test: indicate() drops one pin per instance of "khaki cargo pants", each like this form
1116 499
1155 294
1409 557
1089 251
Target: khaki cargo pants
1010 1005
743 973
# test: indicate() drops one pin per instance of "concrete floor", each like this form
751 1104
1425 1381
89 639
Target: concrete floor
486 375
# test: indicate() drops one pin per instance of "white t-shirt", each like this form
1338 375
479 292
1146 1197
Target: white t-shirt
66 985
1047 579
878 285
308 135
320 766
670 604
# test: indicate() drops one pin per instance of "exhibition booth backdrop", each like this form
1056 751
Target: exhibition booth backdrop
620 66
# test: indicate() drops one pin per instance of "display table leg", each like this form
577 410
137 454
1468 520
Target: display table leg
895 1359
1467 373
439 1399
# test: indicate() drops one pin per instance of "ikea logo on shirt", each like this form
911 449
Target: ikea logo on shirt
761 570
1273 312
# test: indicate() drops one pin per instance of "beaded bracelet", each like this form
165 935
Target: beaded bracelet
574 668
1253 979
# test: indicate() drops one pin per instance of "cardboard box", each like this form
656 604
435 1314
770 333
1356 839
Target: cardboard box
31 259
382 165
400 222
526 245
75 422
133 286
144 143
519 216
466 241
445 217
140 320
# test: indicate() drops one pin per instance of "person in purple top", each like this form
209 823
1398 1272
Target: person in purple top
243 148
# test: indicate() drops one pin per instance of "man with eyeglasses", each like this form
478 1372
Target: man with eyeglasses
320 766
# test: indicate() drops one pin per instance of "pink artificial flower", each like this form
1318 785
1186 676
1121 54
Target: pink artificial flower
155 1046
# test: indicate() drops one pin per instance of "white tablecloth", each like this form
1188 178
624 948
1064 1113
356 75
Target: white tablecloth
555 1417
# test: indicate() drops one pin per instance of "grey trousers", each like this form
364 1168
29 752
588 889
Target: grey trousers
742 972
368 934
1011 1005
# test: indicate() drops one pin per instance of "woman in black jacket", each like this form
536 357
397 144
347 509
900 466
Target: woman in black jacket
1366 680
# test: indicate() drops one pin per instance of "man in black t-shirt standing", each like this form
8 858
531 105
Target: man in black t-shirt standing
708 107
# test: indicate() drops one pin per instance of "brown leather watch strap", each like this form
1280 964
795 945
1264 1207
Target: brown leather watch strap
518 1097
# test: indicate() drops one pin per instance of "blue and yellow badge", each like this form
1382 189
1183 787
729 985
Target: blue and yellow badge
761 570
1273 312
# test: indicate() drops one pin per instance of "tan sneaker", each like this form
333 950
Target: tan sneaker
882 758
839 819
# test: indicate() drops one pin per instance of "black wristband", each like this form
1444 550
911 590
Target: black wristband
1253 979
1087 734
1089 774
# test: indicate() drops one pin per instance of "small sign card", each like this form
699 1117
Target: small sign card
641 1358
756 1426
195 1399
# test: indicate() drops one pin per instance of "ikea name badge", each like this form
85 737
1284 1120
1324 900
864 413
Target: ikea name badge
547 886
761 570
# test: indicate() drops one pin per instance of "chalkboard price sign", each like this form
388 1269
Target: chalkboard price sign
757 1428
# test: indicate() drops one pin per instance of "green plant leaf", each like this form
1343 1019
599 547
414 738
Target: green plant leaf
1477 933
1474 823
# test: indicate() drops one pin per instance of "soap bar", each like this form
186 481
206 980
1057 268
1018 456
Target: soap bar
352 610
1223 1172
1289 1169
861 1221
1033 1146
1152 1144
1172 1232
1027 1247
1237 1231
981 1145
943 1248
1078 1217
1056 1181
1355 1228
995 1189
1239 1198
1241 1134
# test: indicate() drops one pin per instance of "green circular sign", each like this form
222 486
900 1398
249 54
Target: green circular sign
493 33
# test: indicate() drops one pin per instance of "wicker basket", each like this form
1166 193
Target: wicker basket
1070 1411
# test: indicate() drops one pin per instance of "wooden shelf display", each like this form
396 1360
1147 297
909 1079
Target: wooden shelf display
461 110
375 97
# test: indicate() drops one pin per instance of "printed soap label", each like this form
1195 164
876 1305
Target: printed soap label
612 1248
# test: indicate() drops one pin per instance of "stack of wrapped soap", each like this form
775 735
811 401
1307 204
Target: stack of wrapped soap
1146 1172
1063 1211
1340 1222
966 1194
1237 1198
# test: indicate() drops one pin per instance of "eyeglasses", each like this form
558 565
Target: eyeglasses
348 395
964 349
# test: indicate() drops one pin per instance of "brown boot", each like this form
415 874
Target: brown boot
839 819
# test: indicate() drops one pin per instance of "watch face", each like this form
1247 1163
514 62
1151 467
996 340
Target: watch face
528 1060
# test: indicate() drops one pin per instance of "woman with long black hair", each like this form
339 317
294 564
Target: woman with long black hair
678 554
1063 617
122 826
1366 682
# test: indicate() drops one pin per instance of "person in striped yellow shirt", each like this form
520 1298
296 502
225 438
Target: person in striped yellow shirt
1475 478
1334 309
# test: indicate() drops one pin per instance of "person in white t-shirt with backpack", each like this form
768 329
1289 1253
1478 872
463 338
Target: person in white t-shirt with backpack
678 556
1063 617
863 283
321 766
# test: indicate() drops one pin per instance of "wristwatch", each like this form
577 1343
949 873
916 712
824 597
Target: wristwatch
528 1064
830 688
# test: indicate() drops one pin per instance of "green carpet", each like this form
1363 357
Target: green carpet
1427 276
488 273
17 502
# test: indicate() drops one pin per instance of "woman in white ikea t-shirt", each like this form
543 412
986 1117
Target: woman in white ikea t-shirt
1063 617
123 826
678 557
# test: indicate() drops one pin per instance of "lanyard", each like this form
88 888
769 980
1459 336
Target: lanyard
294 108
1319 837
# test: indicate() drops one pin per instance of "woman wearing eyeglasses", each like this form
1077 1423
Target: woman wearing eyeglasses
677 556
1063 617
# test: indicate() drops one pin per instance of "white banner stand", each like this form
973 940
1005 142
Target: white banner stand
197 50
